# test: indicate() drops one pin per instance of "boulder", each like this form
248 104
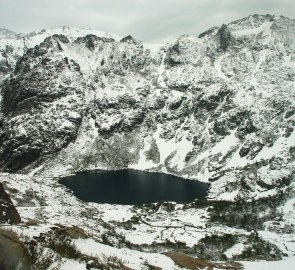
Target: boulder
8 213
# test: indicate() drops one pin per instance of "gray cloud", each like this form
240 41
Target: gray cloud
148 20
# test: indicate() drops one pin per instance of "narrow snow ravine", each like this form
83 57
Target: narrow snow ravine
167 147
262 57
143 163
218 67
161 70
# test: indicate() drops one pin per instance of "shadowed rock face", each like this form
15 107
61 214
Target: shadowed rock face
8 213
225 37
47 91
31 94
13 253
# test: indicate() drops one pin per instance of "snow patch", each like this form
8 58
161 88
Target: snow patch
131 258
235 250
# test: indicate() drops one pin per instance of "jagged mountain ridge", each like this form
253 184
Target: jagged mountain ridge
14 45
217 107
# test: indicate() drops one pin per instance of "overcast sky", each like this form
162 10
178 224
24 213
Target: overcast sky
148 20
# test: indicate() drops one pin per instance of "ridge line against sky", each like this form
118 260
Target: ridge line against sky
147 20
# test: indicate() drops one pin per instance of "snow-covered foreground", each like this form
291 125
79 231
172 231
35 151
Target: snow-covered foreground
286 264
49 203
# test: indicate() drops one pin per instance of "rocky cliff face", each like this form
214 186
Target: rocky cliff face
218 107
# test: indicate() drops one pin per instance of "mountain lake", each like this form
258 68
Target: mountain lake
132 187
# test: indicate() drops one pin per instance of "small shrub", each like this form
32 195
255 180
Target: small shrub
39 257
64 247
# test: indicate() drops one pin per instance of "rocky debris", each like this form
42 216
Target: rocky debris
8 213
72 232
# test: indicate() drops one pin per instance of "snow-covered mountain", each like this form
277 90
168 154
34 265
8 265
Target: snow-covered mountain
215 107
218 107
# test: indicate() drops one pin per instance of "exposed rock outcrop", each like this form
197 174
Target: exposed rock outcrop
8 213
13 253
225 37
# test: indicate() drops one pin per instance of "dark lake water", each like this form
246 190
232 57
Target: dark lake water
131 187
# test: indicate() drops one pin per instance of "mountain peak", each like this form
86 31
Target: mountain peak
130 40
74 32
6 33
256 20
